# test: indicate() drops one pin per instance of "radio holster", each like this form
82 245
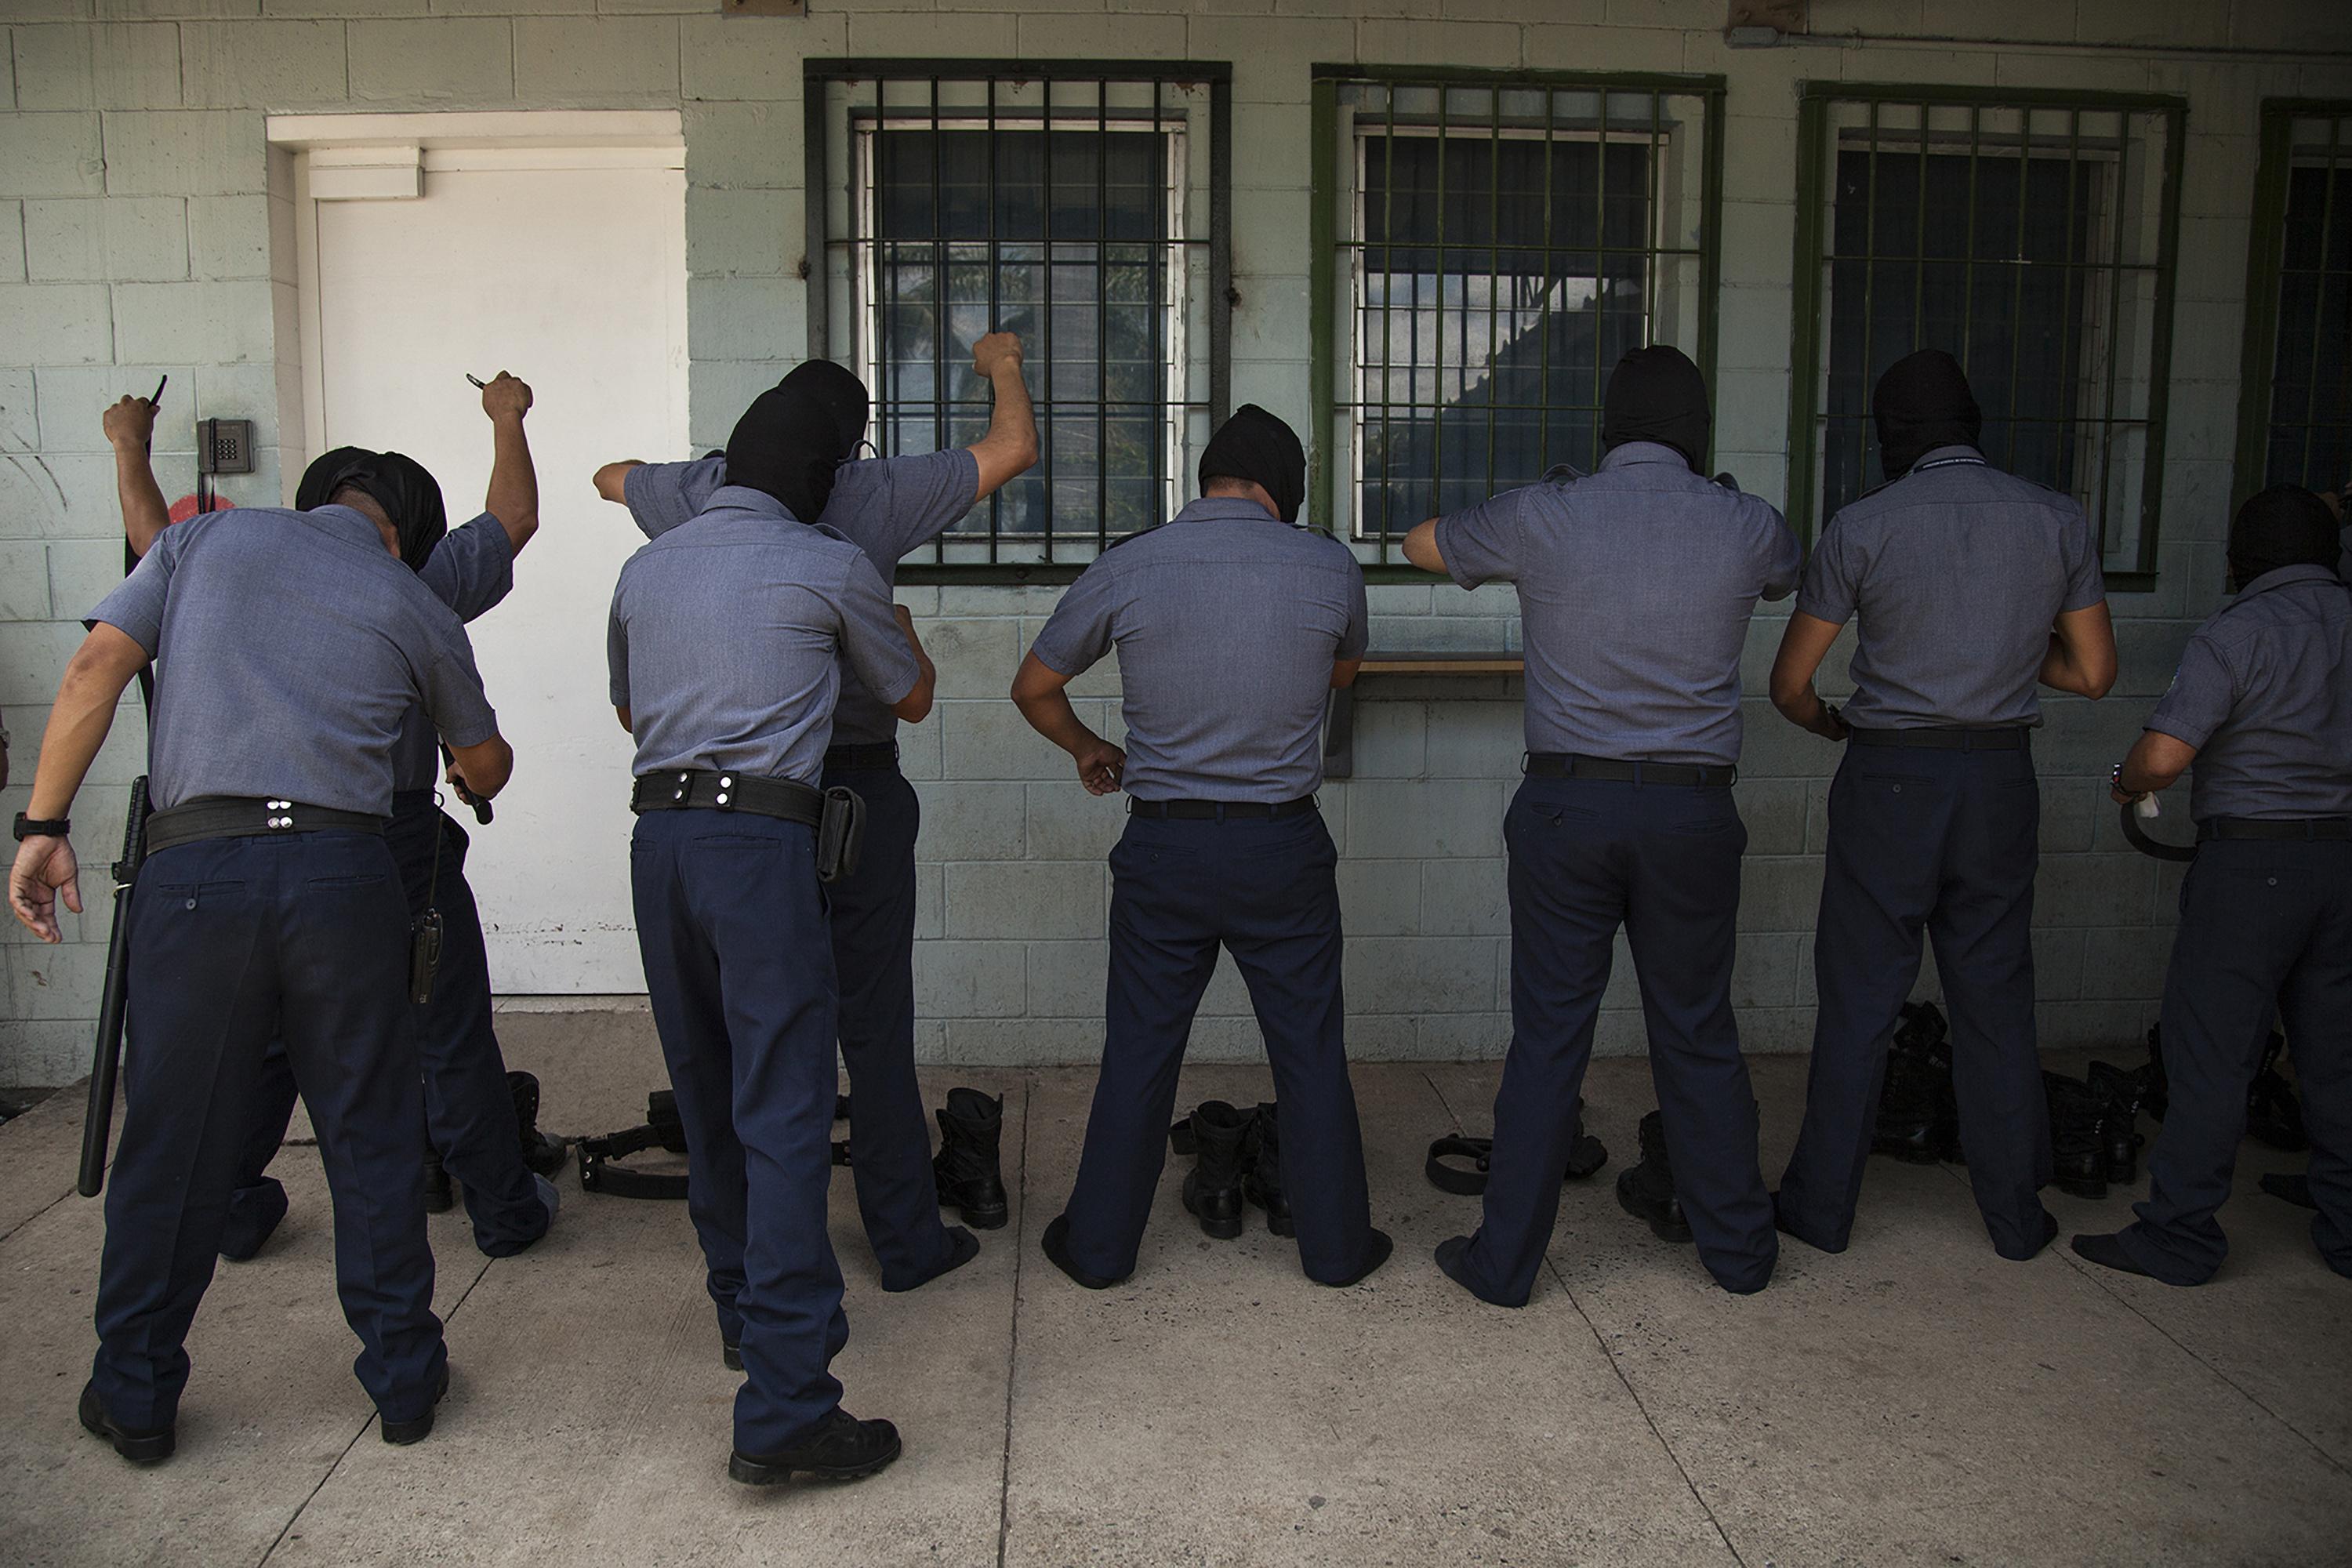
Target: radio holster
840 833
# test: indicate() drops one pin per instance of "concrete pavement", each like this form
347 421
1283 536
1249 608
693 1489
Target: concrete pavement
1912 1400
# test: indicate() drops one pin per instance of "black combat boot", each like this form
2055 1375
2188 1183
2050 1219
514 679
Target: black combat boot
440 1197
1646 1191
1261 1180
140 1445
2078 1135
1919 1112
840 1448
1213 1192
2123 1092
544 1155
971 1124
2273 1115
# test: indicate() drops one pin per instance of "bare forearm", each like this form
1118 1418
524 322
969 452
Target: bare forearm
1010 448
513 497
78 722
145 514
1052 716
2155 762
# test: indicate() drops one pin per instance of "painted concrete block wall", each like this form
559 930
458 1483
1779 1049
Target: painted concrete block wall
145 229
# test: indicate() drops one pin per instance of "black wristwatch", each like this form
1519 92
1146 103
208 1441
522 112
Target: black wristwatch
35 827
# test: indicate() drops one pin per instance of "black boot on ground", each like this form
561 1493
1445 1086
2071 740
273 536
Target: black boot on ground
1262 1183
841 1448
970 1177
1212 1190
544 1155
1646 1191
440 1197
1918 1113
2123 1092
2273 1115
148 1446
2078 1135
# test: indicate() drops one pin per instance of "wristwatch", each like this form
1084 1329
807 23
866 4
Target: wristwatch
2115 779
38 827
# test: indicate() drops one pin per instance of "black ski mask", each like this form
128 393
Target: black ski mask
2285 525
1257 446
788 443
838 390
1657 393
409 496
1923 401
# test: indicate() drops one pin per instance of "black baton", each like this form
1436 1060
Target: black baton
98 1121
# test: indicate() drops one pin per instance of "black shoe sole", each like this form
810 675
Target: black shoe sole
139 1447
401 1434
984 1216
1224 1227
754 1472
1663 1229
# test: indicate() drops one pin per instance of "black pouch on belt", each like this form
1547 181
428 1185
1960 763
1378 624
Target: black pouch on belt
839 833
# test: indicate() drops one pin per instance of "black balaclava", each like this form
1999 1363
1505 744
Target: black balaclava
788 445
409 496
1257 446
837 388
2285 525
1657 394
1923 401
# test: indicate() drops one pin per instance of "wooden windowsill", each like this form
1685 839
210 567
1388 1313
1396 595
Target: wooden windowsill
1340 726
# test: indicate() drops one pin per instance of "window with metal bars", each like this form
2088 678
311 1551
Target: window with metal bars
2295 398
2031 236
1068 203
1489 244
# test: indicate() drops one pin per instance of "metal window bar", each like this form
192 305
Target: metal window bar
2307 435
1434 418
2080 361
914 146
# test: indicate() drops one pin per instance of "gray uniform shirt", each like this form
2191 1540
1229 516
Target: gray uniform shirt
1227 622
728 639
1635 586
2265 693
1957 570
470 571
886 507
289 648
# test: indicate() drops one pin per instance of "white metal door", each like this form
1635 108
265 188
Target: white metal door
566 266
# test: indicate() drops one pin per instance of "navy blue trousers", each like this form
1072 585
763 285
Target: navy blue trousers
874 960
1944 842
1586 856
235 942
732 925
1267 892
2259 920
468 1111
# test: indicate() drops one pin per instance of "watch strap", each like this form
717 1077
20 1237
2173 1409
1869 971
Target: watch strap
41 828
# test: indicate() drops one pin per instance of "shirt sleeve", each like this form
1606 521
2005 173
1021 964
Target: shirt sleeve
2085 584
870 639
472 568
1079 632
454 699
1358 637
1832 586
617 652
1783 560
2204 691
663 496
1482 544
135 606
921 498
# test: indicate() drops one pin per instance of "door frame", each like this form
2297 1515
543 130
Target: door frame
385 157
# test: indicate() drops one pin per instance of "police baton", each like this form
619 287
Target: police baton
2139 839
98 1120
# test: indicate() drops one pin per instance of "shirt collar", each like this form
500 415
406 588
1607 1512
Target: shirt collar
743 497
349 523
1644 452
2287 576
1958 452
1235 509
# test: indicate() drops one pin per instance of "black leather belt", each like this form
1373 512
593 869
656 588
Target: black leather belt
1946 738
878 755
238 817
1212 810
695 789
2334 827
1569 765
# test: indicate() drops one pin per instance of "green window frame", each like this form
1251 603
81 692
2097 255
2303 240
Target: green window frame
2295 398
1934 206
1086 204
1513 291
